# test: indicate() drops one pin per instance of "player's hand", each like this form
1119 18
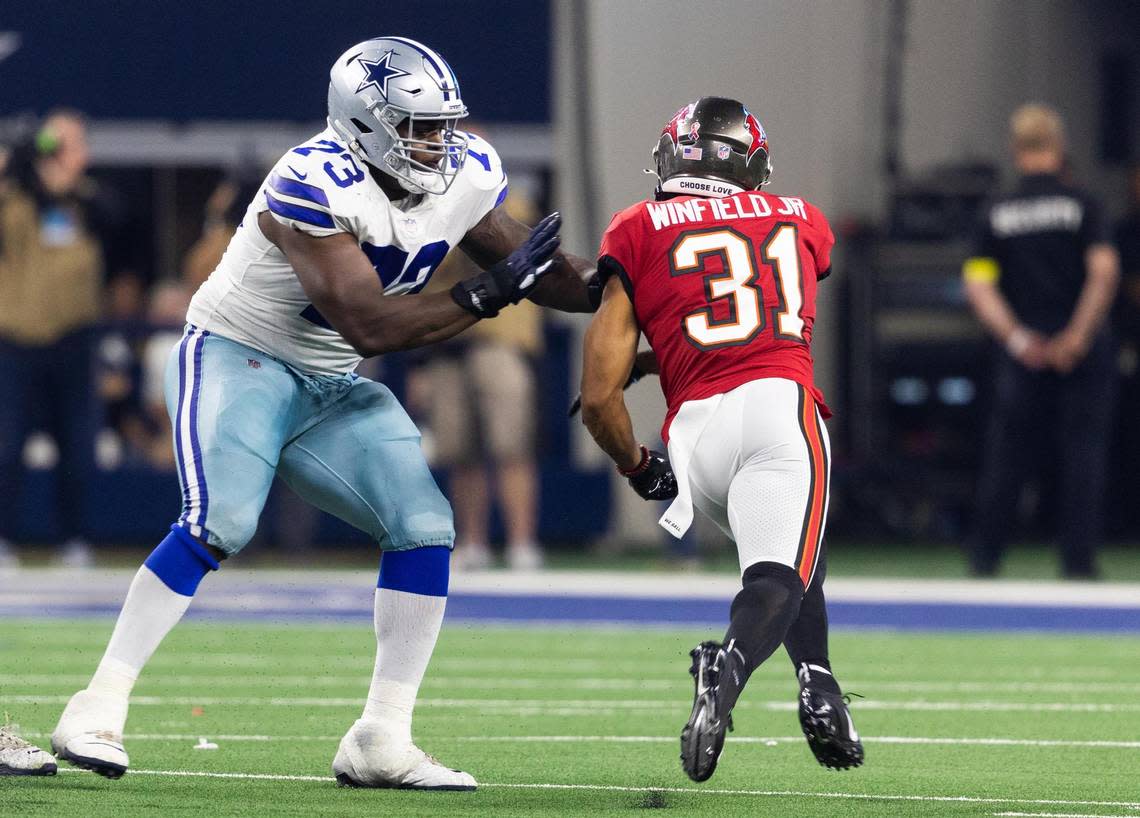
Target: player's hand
1066 349
509 281
635 375
653 477
1028 348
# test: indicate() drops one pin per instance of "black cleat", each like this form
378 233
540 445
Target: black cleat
703 737
827 725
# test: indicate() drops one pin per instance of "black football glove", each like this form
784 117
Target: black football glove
635 375
509 281
653 477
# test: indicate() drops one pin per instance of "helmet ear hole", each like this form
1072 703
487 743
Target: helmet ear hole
360 126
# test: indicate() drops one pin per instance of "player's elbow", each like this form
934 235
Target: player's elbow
1103 264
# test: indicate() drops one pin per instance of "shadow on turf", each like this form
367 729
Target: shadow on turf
654 799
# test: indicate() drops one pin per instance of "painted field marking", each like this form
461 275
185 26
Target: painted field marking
765 740
576 706
967 799
580 683
1061 815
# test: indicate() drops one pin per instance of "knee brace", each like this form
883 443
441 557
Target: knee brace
180 561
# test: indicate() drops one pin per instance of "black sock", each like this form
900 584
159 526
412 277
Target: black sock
806 639
761 614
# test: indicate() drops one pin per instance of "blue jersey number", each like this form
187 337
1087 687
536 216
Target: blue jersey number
348 175
391 266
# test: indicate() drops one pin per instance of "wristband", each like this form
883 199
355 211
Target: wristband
642 465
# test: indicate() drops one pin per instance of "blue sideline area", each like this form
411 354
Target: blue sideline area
598 598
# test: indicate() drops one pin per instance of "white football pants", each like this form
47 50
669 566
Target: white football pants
758 463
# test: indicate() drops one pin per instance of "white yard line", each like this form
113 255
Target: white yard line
967 799
765 740
360 680
596 705
1061 815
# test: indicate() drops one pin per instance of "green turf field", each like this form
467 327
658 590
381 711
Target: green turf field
575 721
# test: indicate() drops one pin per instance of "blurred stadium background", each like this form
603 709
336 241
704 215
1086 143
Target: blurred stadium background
891 115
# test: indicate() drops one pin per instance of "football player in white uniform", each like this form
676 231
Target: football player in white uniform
263 383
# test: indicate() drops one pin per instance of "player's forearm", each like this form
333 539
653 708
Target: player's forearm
403 322
1098 292
564 285
992 309
608 422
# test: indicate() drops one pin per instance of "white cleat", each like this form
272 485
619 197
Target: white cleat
367 758
89 734
19 757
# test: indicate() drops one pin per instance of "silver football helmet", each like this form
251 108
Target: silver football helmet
396 103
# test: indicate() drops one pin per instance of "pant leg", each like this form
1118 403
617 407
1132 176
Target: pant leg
18 374
75 409
1087 401
362 462
777 502
1009 443
232 410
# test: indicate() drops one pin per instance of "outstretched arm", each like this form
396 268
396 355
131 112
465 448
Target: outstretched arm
562 288
342 284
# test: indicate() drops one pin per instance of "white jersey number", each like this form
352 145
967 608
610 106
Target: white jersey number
738 285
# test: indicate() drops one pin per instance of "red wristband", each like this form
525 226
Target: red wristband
640 467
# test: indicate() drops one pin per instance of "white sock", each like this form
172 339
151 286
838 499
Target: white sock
407 626
149 612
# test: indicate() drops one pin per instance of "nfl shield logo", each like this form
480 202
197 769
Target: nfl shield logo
723 151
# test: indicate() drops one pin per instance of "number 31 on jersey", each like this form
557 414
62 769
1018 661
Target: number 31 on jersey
738 285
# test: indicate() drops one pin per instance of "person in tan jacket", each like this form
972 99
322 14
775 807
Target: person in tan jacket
51 280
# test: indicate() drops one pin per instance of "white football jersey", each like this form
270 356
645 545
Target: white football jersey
321 188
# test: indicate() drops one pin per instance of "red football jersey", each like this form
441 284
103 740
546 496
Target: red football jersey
723 288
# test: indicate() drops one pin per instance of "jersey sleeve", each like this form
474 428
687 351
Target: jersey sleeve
982 264
616 253
1094 226
482 181
823 243
310 189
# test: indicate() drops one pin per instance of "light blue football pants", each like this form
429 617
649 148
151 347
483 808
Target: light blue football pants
343 443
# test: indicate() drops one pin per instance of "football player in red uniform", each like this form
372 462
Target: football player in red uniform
721 279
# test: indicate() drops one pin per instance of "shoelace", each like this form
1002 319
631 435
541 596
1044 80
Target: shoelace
10 741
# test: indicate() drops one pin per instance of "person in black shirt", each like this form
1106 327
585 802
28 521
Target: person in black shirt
1041 279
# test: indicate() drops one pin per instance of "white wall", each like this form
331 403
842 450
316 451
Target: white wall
812 72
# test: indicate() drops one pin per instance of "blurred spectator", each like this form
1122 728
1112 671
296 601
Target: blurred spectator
224 211
51 274
166 315
481 412
1128 244
1126 320
1041 280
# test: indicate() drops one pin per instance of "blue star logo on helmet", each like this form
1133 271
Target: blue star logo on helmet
378 73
